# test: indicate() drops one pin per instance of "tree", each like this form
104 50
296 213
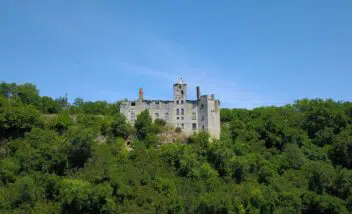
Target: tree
61 122
16 119
143 124
49 106
28 94
293 156
320 176
8 89
341 151
41 150
75 196
160 122
342 186
63 102
9 169
79 102
21 194
119 126
81 146
320 114
314 203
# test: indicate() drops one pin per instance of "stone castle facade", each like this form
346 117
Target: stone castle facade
191 116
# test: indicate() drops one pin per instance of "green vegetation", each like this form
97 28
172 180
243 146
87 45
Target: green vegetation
85 158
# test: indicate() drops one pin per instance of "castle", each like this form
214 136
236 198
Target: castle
190 116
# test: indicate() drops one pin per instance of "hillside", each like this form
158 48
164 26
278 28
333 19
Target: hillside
57 157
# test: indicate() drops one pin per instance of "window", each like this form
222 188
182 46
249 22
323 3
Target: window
202 117
157 105
133 116
133 104
166 116
177 118
182 125
182 118
194 126
177 102
181 101
156 115
182 93
203 127
177 111
166 106
194 116
182 111
202 106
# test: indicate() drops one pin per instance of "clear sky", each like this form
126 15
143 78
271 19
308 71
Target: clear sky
249 53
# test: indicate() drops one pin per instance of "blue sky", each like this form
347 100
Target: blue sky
249 53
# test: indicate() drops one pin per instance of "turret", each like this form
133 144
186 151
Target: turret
180 91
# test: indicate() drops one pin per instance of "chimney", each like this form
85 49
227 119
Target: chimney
198 92
140 94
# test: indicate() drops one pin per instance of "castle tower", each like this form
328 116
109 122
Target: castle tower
179 113
209 115
180 91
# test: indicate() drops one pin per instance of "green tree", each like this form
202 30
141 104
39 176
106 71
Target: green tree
75 196
21 194
320 176
143 124
314 203
81 146
8 89
28 94
49 106
119 126
16 119
62 122
341 151
9 169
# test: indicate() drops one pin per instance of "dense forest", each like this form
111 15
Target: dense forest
84 157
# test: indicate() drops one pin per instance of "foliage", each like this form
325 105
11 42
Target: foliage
143 124
86 158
